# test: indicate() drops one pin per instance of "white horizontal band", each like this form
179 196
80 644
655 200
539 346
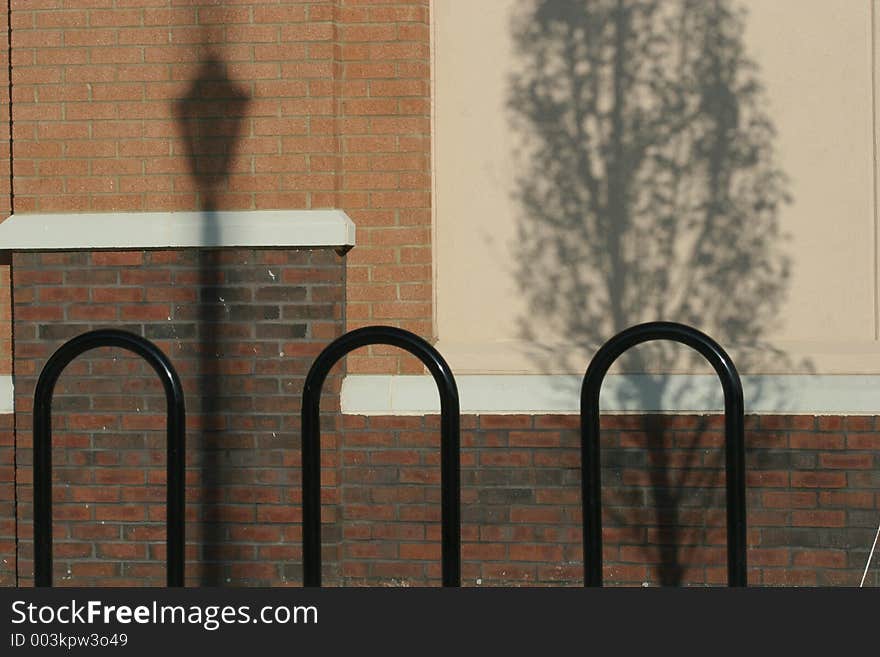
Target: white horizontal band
157 230
6 398
367 394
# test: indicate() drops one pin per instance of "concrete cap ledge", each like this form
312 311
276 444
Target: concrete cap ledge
162 230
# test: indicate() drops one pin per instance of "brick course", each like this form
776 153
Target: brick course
812 511
241 327
8 556
336 114
5 200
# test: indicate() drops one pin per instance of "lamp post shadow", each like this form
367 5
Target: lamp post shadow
210 117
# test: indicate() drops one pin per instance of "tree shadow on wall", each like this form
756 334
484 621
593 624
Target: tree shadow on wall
210 117
648 191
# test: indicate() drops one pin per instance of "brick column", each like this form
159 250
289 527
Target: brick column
270 312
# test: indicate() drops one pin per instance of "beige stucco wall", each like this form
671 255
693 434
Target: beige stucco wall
813 59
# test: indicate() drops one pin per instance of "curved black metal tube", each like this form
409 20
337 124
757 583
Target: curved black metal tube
176 429
734 438
449 445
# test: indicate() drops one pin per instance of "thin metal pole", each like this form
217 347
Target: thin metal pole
734 429
450 478
175 448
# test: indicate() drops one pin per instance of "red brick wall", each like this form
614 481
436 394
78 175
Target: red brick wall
385 182
8 556
241 327
337 115
813 500
7 450
96 83
5 195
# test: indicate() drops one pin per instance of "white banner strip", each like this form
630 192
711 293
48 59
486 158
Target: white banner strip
159 230
368 394
6 400
364 394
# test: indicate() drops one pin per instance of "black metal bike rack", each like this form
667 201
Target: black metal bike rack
449 445
734 439
176 429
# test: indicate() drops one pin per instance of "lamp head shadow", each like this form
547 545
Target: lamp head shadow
210 117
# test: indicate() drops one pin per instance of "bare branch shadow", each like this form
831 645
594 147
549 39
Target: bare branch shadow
649 191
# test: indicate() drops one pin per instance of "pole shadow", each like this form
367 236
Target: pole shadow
210 117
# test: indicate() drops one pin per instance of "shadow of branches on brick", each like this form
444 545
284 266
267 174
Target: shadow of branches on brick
210 117
648 190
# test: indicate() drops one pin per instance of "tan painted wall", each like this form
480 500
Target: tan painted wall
813 61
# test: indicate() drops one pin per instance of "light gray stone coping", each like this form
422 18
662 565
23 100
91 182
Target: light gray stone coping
163 230
158 230
797 394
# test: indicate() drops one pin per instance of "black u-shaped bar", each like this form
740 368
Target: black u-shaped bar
450 478
734 441
176 429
